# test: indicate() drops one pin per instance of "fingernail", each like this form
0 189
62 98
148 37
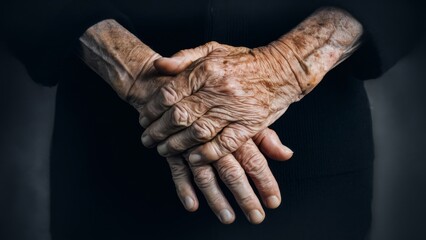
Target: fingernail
255 217
189 203
144 122
163 150
147 141
288 150
225 216
273 202
194 158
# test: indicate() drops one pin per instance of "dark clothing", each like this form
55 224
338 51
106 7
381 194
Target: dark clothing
105 185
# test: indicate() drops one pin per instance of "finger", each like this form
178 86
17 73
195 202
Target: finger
184 58
230 139
204 177
202 130
182 179
178 117
256 167
162 100
172 92
232 174
270 144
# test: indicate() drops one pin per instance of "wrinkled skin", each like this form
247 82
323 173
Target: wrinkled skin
231 168
128 66
231 93
223 99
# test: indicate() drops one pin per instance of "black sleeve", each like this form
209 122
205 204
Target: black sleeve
391 30
42 34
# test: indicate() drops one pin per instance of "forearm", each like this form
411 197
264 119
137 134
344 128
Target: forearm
318 44
115 54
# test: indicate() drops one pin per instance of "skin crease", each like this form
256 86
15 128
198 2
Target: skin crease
221 95
231 93
127 64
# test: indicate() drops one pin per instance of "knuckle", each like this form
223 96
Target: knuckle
212 43
215 201
151 111
211 46
232 175
247 200
228 143
180 117
174 145
168 96
255 164
202 131
179 171
267 185
209 66
204 177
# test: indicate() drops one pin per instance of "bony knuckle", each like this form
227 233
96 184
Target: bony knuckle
255 164
213 43
211 46
175 145
179 171
229 143
247 200
232 175
204 177
202 131
209 66
216 200
168 96
179 116
267 184
179 174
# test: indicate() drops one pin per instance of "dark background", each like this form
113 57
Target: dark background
399 118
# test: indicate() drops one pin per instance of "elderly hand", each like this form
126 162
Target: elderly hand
232 170
127 65
231 93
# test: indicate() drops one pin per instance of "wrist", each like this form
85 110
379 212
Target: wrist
279 72
317 45
115 54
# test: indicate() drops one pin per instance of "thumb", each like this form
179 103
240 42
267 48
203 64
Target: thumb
270 144
183 59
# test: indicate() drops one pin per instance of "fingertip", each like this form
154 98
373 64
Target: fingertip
287 153
190 204
256 216
273 202
281 153
144 122
147 141
226 216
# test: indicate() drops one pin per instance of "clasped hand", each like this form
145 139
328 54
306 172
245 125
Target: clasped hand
133 71
214 99
208 108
